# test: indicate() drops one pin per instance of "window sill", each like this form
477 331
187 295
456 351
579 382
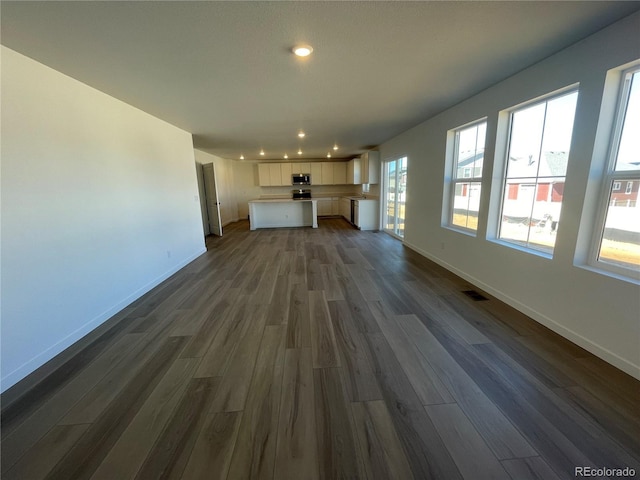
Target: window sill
520 248
465 231
602 270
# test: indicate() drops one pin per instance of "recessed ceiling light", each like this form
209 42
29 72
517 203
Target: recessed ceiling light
301 134
241 157
262 152
335 147
329 155
286 156
302 50
299 152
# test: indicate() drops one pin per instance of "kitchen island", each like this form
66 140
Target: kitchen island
283 212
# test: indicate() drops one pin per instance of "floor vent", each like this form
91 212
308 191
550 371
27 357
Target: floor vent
475 296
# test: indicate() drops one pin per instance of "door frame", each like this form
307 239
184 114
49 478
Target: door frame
212 200
384 193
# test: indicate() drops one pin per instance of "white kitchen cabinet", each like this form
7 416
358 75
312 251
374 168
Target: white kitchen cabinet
353 172
327 173
324 207
345 207
322 173
329 206
366 214
297 167
340 173
356 214
316 174
370 164
264 180
285 174
274 174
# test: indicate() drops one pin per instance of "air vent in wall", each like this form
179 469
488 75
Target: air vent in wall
475 296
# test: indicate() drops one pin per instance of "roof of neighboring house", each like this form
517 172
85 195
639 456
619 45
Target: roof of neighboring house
554 164
471 158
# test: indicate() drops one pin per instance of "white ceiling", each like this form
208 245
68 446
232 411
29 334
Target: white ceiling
224 71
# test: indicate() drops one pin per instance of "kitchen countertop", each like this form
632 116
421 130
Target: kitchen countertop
282 200
283 212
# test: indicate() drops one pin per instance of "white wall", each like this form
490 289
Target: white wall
596 311
99 204
246 185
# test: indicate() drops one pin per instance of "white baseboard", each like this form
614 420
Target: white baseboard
599 351
36 362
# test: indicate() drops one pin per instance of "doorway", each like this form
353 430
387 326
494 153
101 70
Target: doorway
213 203
395 196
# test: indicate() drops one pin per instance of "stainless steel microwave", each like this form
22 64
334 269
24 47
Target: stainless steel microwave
301 179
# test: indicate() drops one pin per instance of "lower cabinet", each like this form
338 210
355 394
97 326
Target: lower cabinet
324 207
366 214
345 208
329 206
335 206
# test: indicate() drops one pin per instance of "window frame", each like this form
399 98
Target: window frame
611 178
452 179
497 226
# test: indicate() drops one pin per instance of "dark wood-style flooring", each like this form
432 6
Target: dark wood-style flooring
313 354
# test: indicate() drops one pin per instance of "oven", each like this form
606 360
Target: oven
301 194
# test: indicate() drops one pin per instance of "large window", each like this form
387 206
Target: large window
395 195
466 175
536 165
618 237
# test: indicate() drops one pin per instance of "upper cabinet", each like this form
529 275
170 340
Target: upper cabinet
300 168
327 173
316 174
275 177
339 173
370 162
274 174
285 173
264 179
353 172
322 173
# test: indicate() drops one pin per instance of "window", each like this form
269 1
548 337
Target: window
618 236
536 166
466 176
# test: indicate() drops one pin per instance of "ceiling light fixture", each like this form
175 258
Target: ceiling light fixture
241 157
262 152
299 152
286 156
302 50
335 147
329 155
301 134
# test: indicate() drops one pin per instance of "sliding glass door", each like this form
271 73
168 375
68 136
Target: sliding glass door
395 196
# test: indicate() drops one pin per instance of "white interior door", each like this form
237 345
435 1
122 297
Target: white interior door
213 204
